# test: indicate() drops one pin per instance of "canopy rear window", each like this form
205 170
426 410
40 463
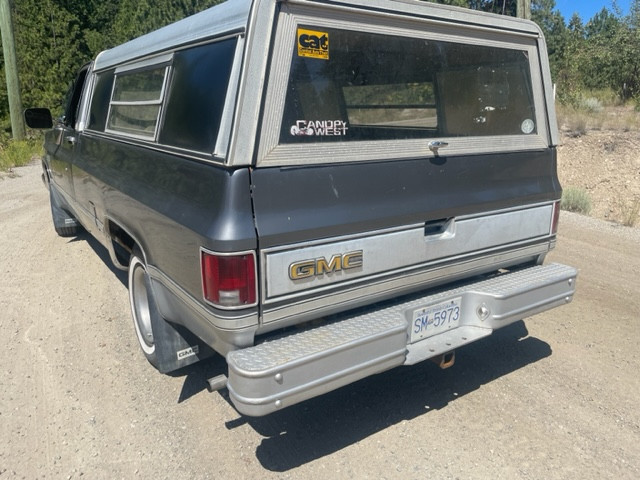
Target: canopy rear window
371 86
367 89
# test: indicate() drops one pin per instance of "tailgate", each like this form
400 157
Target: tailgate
397 226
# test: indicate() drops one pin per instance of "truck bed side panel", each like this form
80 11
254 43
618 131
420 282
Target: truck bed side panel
172 206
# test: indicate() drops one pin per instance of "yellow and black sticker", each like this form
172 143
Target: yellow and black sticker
313 44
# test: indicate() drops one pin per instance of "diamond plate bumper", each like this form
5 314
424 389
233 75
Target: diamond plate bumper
302 365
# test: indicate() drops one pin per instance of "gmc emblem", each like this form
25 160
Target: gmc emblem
319 266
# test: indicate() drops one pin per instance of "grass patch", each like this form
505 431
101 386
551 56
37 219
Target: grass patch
16 153
631 215
575 199
604 96
572 120
597 110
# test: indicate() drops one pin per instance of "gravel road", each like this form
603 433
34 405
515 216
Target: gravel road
557 399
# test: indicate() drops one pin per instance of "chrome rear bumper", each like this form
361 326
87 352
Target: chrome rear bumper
305 364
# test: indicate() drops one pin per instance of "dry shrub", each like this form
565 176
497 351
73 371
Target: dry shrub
631 214
575 199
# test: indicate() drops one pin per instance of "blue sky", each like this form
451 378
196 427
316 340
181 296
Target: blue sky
588 8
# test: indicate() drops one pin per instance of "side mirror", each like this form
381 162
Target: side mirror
38 118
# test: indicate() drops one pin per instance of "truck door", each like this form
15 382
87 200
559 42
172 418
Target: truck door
66 138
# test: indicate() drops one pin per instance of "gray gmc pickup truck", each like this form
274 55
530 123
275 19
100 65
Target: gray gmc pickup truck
318 190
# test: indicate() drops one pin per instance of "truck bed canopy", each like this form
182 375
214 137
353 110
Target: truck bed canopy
233 16
230 16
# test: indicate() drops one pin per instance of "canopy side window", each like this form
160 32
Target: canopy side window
136 102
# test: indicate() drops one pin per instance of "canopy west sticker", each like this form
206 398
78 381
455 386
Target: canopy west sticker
313 44
319 128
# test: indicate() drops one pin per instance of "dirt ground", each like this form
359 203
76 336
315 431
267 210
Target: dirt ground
606 164
557 399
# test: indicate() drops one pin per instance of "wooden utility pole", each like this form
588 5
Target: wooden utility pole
11 71
523 8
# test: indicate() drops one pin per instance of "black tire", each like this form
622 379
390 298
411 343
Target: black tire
64 223
166 346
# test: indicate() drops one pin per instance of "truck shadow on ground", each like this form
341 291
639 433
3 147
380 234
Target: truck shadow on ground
102 253
321 426
326 424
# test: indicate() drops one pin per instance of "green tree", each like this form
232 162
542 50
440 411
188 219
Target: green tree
603 24
625 71
49 47
137 17
598 52
611 54
55 37
571 78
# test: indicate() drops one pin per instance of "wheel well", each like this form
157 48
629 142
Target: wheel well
123 244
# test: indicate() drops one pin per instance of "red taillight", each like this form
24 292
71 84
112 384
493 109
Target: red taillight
556 218
229 281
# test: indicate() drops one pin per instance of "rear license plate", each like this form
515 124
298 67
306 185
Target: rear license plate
433 319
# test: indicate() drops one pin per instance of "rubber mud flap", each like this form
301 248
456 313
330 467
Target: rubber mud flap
63 223
176 347
166 346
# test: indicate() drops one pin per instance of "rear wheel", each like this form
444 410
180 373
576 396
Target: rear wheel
167 346
143 306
